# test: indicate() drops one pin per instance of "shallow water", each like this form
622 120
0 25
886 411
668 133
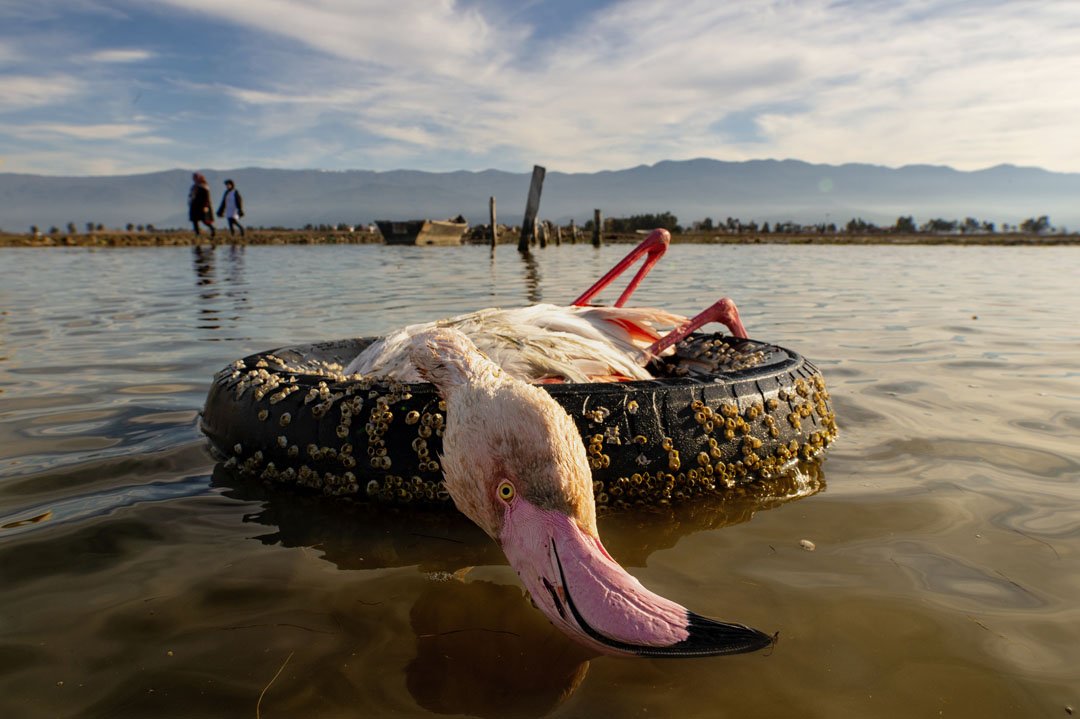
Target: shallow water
138 579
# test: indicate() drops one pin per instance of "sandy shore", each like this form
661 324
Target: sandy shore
120 238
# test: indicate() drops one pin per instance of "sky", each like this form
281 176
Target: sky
109 87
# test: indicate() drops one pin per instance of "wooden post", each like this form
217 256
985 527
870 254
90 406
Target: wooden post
543 234
532 206
573 232
598 224
494 229
558 235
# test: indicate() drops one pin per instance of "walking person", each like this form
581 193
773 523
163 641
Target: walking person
199 207
232 207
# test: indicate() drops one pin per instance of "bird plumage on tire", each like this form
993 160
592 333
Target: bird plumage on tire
560 343
575 344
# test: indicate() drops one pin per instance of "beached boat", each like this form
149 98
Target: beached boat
423 232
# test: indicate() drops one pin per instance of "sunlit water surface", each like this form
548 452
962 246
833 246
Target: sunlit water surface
136 579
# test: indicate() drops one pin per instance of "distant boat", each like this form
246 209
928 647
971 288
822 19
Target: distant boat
423 232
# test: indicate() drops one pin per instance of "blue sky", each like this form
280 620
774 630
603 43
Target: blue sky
96 87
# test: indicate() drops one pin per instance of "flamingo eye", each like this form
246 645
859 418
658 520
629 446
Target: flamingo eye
506 491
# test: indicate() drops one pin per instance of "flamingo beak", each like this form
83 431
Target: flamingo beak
584 592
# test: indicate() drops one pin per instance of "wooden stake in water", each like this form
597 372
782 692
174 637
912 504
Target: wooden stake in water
532 206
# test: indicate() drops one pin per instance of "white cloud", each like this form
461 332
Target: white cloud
54 10
23 91
412 135
67 162
120 56
325 97
439 83
105 131
950 88
438 36
8 54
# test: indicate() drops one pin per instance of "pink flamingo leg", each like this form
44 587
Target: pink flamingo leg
655 245
723 311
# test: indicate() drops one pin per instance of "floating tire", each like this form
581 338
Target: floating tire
728 411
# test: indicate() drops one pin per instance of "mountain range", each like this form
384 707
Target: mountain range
761 190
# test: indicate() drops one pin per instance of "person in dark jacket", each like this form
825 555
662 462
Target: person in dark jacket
199 207
232 207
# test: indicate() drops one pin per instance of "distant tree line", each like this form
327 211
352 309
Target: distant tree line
857 225
638 222
731 225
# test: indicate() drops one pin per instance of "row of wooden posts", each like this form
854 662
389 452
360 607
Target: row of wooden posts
543 232
529 229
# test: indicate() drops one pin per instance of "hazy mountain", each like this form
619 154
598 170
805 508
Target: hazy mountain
762 190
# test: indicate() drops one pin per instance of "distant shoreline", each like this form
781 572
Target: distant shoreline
120 238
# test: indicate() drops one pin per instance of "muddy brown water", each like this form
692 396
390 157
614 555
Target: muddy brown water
137 578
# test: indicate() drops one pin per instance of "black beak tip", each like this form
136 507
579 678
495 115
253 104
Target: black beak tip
712 638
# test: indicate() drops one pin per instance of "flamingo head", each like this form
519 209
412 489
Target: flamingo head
514 463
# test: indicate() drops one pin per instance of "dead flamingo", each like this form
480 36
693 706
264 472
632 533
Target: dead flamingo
575 343
514 463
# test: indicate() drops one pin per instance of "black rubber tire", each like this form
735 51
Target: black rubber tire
648 442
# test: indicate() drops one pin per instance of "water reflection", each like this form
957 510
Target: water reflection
4 352
205 264
361 535
481 648
532 278
203 259
83 507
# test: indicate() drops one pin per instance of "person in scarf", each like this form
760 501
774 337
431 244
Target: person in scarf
232 207
199 207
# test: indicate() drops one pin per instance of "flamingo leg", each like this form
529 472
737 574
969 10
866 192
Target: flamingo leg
655 245
723 311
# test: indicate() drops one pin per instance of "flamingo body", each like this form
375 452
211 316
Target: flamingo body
515 464
537 343
550 343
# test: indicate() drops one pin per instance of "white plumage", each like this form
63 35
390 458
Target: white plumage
575 343
538 343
